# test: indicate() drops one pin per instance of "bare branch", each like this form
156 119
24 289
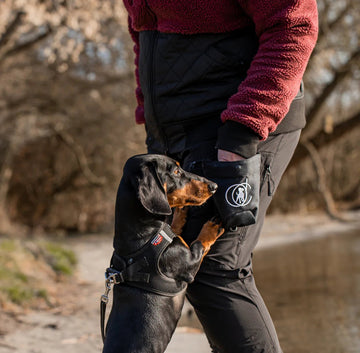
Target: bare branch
104 80
80 156
323 139
19 47
321 182
319 102
351 200
327 27
11 28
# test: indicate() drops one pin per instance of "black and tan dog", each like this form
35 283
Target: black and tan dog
152 264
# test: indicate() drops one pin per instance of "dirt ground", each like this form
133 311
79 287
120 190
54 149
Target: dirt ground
75 326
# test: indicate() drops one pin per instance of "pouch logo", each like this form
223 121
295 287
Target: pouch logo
238 195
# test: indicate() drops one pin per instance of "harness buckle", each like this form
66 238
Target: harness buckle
114 277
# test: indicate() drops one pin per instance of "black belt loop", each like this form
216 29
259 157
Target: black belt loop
244 273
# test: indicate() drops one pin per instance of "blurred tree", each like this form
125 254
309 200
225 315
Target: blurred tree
333 114
333 73
73 25
65 104
66 111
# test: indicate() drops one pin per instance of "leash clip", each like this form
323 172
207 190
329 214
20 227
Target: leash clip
110 279
105 296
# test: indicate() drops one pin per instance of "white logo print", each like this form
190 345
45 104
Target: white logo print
237 195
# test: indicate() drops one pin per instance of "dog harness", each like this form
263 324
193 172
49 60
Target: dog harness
141 270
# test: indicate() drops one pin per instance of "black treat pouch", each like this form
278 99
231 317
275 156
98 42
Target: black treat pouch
237 196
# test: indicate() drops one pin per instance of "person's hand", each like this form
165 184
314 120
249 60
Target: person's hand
226 156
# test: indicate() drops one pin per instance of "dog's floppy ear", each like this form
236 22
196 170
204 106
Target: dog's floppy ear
151 192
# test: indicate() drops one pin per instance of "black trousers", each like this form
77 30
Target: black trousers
224 294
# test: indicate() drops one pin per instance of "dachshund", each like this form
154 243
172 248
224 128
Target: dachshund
151 264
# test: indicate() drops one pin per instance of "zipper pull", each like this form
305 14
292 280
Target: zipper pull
270 181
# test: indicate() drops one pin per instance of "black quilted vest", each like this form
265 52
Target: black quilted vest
187 81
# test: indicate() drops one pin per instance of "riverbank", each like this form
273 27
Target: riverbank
74 326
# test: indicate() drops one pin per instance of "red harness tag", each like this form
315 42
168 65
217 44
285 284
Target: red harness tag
157 240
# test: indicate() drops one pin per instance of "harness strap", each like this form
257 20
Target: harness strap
133 274
130 269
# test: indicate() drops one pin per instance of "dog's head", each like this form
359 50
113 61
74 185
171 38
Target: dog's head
160 184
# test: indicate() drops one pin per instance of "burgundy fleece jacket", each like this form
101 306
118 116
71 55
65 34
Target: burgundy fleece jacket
287 32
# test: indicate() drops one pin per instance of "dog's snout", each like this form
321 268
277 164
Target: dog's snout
212 188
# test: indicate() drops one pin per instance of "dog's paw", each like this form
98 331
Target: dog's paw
209 233
213 228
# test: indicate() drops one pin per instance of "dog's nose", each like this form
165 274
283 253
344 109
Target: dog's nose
212 187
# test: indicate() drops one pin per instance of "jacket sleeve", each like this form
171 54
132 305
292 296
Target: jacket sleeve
287 33
139 112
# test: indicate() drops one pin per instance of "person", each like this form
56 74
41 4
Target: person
219 83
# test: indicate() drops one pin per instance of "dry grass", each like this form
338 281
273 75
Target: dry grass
30 271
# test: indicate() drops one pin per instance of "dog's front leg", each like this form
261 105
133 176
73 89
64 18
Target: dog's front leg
210 231
179 220
182 262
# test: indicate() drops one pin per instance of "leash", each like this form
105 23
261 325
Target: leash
111 277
